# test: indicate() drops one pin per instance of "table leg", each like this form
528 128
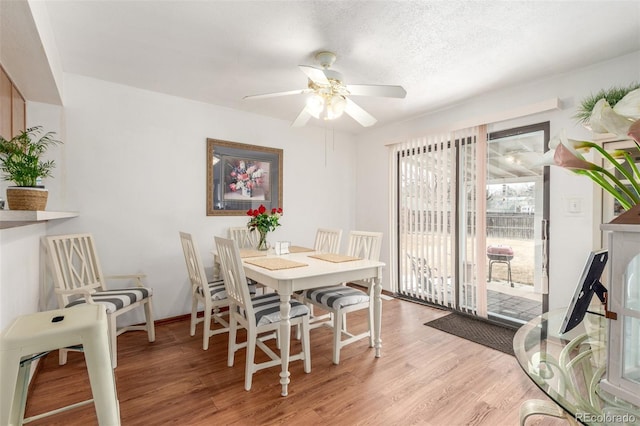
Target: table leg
285 340
377 314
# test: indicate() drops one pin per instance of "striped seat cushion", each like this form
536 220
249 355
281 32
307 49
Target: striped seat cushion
337 297
267 308
218 291
116 299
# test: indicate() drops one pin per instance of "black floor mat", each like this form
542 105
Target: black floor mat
485 333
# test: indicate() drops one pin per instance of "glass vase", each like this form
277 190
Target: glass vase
262 242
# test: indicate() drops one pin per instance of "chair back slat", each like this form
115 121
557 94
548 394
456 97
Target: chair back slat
244 237
365 244
75 265
328 240
235 280
195 268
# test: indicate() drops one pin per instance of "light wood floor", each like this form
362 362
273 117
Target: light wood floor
425 377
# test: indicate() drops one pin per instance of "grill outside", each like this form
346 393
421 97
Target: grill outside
503 253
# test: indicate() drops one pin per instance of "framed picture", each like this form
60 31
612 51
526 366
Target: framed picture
241 177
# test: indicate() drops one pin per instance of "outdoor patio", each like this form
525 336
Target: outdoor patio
519 303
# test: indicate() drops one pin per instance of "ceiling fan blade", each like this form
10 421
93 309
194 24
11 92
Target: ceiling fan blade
302 118
315 74
358 114
276 94
376 90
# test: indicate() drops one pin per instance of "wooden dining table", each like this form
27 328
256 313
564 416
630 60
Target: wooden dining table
303 269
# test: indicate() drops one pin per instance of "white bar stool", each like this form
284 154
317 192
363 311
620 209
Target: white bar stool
31 335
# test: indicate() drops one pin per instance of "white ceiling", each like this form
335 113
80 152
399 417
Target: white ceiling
441 52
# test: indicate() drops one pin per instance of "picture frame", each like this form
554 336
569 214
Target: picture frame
242 177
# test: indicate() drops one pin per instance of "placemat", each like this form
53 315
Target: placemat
335 258
299 249
245 253
275 263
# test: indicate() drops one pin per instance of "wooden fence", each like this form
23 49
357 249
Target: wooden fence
499 225
510 225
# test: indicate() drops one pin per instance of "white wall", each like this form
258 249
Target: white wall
572 236
19 271
133 165
20 287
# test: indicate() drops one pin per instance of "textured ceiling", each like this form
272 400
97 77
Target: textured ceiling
441 52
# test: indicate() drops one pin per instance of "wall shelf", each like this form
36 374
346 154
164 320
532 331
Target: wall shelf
13 218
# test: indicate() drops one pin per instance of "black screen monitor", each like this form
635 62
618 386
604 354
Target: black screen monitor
588 285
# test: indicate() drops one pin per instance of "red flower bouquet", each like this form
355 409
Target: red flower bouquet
264 222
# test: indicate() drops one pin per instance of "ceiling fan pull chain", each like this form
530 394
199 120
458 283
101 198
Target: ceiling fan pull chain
325 144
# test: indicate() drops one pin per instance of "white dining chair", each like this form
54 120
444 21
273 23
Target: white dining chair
78 279
244 237
328 240
211 294
247 240
258 315
342 299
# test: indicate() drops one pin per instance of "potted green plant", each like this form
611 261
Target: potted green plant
609 97
616 112
21 163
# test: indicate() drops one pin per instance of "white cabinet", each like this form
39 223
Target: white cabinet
623 349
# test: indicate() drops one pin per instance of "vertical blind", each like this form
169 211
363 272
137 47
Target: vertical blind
435 192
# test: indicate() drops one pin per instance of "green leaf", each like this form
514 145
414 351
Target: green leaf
20 156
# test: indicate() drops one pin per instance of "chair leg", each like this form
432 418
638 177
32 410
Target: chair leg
233 328
194 315
300 298
113 340
151 326
251 354
370 318
206 329
337 336
306 347
216 314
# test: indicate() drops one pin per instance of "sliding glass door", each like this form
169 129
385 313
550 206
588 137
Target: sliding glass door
471 215
516 223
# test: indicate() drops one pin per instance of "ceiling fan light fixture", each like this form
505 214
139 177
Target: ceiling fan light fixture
329 97
335 107
315 104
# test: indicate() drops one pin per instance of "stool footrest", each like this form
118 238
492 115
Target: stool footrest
57 410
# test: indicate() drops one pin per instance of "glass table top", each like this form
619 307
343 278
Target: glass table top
569 367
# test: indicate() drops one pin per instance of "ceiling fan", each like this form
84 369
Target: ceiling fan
329 94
